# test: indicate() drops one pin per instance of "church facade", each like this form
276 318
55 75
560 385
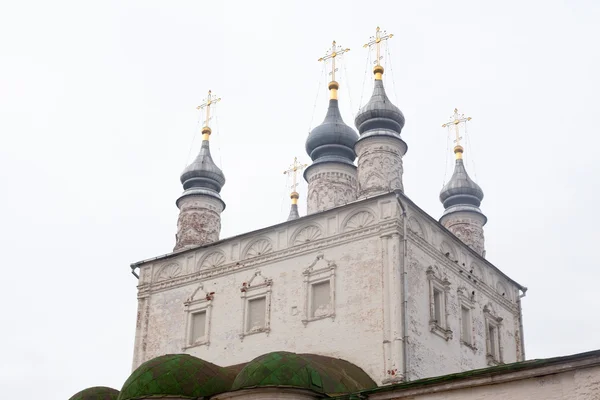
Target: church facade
365 276
361 297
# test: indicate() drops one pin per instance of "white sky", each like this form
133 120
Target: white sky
97 115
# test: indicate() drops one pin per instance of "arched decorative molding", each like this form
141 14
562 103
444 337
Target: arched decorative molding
200 294
212 260
478 272
258 247
168 271
357 220
306 234
448 251
491 310
503 290
415 226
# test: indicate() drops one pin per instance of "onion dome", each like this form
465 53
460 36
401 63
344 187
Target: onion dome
203 176
96 393
179 375
320 374
333 140
379 116
461 193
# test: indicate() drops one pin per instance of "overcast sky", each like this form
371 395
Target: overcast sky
97 119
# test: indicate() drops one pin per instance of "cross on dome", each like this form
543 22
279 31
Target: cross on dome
293 170
456 121
376 41
209 101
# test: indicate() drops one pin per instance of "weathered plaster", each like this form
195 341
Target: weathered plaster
330 185
379 165
199 221
468 227
364 242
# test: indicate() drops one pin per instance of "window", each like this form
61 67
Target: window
198 308
256 305
198 328
465 321
493 340
438 303
256 314
319 290
321 299
466 300
493 347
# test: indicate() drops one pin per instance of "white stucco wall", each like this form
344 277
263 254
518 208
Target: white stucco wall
431 354
364 240
565 381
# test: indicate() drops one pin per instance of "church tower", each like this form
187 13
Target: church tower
200 205
380 148
461 197
332 175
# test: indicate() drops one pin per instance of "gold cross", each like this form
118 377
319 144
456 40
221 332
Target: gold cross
293 170
332 54
210 100
457 120
376 41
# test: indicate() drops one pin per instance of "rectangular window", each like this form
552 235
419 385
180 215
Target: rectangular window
321 299
465 332
256 314
493 338
437 306
198 327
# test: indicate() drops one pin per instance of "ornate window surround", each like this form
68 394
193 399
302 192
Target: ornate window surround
196 304
494 356
314 276
436 282
467 300
250 291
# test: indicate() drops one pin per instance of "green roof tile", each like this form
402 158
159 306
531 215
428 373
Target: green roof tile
307 371
179 375
96 393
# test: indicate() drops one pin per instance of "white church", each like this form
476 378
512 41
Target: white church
366 296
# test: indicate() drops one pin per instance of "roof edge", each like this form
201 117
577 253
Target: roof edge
485 376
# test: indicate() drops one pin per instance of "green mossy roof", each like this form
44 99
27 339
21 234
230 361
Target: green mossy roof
306 371
181 375
96 393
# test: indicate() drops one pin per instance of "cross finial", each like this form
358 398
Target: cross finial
456 121
293 170
376 41
209 101
332 54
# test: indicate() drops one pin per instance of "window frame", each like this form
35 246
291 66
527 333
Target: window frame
466 300
318 272
493 322
199 301
252 291
441 284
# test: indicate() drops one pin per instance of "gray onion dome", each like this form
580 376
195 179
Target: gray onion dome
203 176
461 193
333 140
379 116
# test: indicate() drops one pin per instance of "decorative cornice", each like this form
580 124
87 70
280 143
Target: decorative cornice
391 226
439 257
